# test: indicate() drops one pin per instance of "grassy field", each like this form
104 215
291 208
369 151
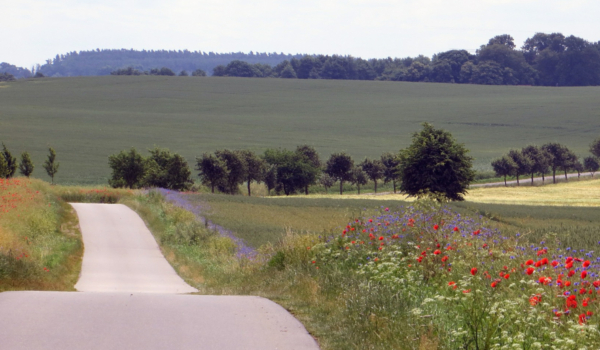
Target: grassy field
87 119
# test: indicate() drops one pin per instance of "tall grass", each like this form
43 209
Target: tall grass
40 243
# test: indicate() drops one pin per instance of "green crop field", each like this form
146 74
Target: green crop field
87 119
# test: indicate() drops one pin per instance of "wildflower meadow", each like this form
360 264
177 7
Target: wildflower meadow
468 285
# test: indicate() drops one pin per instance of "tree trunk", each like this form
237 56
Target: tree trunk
543 178
306 190
212 187
249 194
341 186
505 184
375 186
518 184
553 175
394 182
358 186
531 179
566 179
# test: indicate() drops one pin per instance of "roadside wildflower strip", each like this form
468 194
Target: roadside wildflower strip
39 247
476 287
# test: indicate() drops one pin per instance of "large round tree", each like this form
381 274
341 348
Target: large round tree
435 165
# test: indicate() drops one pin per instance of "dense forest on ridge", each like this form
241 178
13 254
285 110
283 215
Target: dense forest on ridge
544 59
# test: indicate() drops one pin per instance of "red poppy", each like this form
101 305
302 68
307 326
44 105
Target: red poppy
436 252
381 238
506 276
435 227
586 263
554 263
455 229
583 274
444 259
589 313
477 232
582 319
474 271
529 262
569 265
494 284
530 270
571 273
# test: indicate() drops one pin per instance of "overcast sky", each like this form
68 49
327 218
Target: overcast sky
35 30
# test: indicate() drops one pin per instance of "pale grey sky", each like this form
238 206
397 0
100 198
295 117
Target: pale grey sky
35 30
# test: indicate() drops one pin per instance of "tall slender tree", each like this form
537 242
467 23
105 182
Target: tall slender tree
313 159
26 166
11 162
51 165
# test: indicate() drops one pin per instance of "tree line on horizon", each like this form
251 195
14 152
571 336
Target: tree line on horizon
550 157
544 59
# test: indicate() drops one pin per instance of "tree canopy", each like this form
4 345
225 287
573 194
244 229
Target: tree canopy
435 165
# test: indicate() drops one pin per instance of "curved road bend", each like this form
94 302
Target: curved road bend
131 298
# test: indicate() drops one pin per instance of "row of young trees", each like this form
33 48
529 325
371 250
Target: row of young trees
434 164
290 172
9 165
532 160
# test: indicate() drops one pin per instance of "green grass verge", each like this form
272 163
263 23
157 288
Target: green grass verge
104 115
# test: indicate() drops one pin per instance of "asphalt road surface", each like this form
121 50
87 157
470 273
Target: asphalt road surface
131 298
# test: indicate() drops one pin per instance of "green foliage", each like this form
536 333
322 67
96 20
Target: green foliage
7 77
162 71
591 164
560 157
212 170
11 162
26 166
255 167
167 170
128 169
51 165
277 261
339 167
390 171
504 166
434 164
523 163
374 169
595 148
326 181
198 73
236 170
541 160
359 178
295 171
3 167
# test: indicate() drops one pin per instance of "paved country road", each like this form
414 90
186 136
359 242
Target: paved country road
131 298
